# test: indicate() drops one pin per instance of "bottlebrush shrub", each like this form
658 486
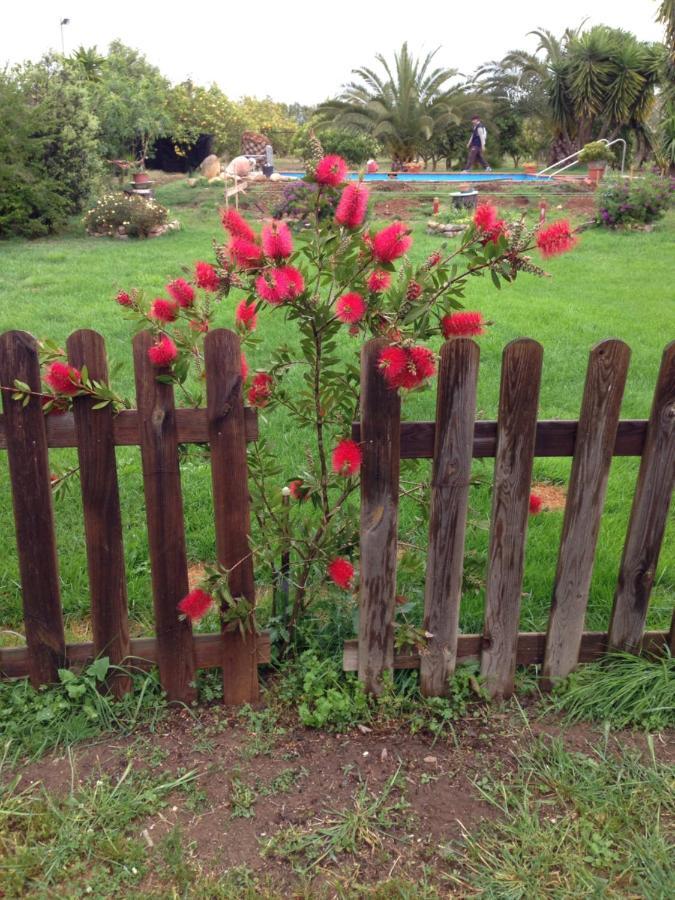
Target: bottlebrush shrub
137 215
333 283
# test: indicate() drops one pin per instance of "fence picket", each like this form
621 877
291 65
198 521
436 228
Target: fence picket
101 509
229 475
649 514
166 532
380 437
517 422
596 435
33 513
455 413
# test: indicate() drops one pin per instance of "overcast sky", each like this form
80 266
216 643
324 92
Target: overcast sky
301 50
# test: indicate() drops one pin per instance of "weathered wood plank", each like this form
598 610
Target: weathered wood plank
101 509
380 430
599 417
143 654
166 532
33 513
531 647
191 428
518 398
554 438
229 476
451 476
649 514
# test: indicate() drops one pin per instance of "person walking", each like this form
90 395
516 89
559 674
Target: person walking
476 145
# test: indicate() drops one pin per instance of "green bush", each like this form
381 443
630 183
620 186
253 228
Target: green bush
132 212
622 201
596 151
354 147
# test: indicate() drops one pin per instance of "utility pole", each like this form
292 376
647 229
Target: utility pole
63 45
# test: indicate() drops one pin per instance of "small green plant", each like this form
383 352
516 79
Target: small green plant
596 151
624 690
132 213
242 799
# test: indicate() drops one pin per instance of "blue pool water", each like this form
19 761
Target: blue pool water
441 176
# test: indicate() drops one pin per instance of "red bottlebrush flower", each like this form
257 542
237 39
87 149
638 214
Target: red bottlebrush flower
277 285
296 283
195 604
206 276
463 324
433 260
341 572
497 230
182 292
391 243
163 352
237 225
424 362
297 489
245 254
244 367
353 330
164 310
536 504
378 281
350 308
353 205
64 379
392 362
124 299
261 389
277 240
331 170
556 239
414 290
245 316
347 458
485 217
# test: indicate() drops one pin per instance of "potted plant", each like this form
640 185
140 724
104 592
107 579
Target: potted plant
530 168
596 155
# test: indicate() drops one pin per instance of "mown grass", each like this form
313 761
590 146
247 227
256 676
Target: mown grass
613 285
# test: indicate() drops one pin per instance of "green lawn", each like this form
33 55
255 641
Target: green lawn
613 285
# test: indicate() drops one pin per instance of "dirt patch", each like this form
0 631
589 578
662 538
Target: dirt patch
552 496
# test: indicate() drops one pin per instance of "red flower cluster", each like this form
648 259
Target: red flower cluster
261 390
485 219
64 379
341 572
164 310
391 243
124 299
195 604
378 281
206 276
245 316
353 205
433 259
350 308
331 170
182 292
347 458
556 239
463 324
298 489
536 504
278 285
277 240
245 253
237 226
406 367
414 291
163 352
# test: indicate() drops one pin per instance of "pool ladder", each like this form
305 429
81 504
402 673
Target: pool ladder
549 170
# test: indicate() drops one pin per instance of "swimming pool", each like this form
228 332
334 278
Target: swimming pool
449 177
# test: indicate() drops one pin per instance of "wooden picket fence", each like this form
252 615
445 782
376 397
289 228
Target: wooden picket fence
158 428
513 440
451 442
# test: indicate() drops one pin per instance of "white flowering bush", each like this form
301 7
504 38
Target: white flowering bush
134 213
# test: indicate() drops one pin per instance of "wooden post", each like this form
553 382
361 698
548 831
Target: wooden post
33 513
451 475
101 508
380 438
229 474
518 398
166 531
648 516
596 435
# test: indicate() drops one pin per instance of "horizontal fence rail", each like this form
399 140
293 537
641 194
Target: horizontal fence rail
514 440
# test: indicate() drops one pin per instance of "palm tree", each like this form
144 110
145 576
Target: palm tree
402 107
89 61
